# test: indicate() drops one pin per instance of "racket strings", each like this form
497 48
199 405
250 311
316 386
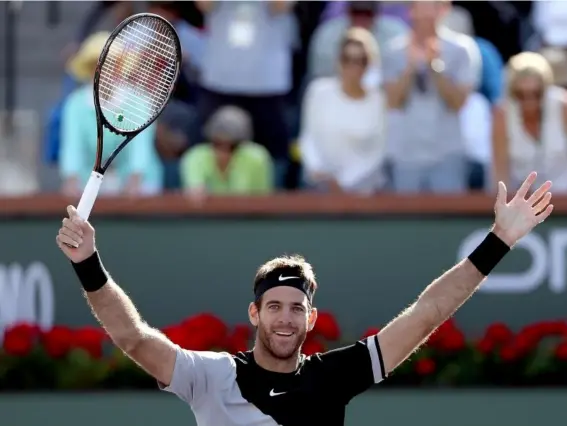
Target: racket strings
138 73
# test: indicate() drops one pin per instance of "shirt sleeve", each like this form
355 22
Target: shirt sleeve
469 68
141 152
311 156
197 374
355 368
192 170
263 174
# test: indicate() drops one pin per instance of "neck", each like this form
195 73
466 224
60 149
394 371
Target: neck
353 89
532 116
268 362
425 32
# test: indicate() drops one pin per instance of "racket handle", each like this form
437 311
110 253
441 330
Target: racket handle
89 195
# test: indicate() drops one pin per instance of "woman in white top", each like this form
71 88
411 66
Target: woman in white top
529 126
343 123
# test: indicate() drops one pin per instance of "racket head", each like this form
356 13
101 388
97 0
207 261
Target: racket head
136 74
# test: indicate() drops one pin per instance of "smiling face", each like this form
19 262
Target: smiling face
283 319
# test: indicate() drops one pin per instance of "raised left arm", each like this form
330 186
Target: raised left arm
406 333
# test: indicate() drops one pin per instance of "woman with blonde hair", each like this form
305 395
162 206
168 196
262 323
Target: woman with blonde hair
343 123
529 127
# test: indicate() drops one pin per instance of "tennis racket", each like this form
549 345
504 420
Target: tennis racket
135 76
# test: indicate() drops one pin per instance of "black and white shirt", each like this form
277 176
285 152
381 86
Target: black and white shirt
232 390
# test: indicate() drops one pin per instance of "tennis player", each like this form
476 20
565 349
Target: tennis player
273 384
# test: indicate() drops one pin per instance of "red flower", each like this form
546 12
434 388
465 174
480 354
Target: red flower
90 340
312 346
327 327
243 331
442 331
236 343
509 353
372 331
453 341
425 366
207 329
499 333
57 341
561 351
20 339
485 346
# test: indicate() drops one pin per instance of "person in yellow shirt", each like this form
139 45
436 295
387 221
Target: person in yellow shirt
229 163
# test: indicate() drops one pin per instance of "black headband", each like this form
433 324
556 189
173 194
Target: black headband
284 278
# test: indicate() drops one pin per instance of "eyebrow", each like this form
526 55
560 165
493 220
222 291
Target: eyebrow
269 302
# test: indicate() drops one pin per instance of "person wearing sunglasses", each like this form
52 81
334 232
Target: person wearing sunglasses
530 124
343 124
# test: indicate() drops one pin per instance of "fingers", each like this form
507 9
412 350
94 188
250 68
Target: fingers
540 192
523 191
502 194
64 242
542 204
71 232
72 212
545 214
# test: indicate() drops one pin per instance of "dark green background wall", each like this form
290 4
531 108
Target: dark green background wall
368 269
407 408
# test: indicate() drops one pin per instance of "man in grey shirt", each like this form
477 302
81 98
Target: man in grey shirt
428 76
274 384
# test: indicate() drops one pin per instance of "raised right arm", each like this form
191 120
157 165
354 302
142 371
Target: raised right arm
188 374
145 345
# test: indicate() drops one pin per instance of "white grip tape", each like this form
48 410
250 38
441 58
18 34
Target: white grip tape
89 195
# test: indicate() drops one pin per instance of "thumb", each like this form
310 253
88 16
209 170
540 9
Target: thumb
502 195
72 212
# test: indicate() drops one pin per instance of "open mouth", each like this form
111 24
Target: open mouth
284 333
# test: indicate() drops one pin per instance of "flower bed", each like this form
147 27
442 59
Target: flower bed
64 358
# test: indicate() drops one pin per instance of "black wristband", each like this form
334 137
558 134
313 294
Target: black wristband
91 273
489 253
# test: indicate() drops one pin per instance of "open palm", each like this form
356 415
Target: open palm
518 217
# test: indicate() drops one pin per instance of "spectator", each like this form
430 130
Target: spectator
325 44
548 19
119 10
476 124
342 139
136 171
174 135
230 163
530 125
248 63
193 44
336 9
492 63
428 76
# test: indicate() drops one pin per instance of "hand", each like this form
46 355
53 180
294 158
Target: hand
416 53
76 238
518 217
431 49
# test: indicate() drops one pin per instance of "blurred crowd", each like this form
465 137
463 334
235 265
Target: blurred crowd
344 96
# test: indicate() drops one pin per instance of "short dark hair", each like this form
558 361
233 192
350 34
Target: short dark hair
295 263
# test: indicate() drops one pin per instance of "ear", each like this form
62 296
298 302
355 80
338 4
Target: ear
253 314
312 319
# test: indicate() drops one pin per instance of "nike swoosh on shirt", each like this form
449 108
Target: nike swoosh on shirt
272 393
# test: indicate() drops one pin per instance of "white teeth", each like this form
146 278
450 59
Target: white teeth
279 333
